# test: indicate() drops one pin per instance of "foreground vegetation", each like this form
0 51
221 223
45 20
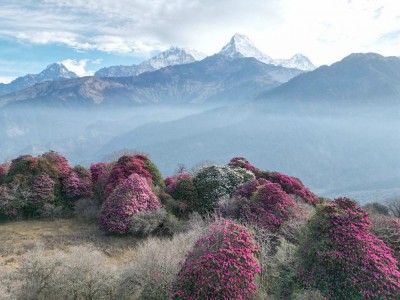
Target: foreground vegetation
120 231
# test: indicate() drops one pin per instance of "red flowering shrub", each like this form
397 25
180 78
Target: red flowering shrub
42 190
340 257
130 197
77 184
182 189
221 266
293 186
388 230
100 174
247 189
59 162
241 162
128 165
171 182
290 185
269 207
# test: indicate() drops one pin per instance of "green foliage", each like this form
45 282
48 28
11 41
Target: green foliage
156 176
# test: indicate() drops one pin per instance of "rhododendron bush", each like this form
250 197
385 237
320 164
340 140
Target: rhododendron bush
100 173
130 197
215 182
182 189
289 184
221 266
340 257
268 206
77 184
31 182
128 165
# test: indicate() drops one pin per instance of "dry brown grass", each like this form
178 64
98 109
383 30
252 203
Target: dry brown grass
19 237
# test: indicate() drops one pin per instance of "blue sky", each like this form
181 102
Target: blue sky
89 34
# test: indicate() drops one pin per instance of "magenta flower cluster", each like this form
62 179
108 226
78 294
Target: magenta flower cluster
42 190
289 184
221 266
241 162
100 173
125 167
77 184
343 259
268 206
172 181
293 186
130 197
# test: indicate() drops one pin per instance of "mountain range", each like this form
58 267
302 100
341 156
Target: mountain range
215 79
53 72
171 57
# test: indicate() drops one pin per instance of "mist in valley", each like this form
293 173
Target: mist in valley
334 149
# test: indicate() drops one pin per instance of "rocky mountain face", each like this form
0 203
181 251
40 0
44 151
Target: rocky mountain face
171 57
56 71
241 46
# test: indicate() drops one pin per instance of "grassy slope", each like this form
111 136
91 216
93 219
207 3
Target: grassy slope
17 238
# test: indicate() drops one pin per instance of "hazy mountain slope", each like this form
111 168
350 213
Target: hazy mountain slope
332 154
212 80
54 71
358 77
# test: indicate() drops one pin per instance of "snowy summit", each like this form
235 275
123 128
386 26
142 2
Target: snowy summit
241 46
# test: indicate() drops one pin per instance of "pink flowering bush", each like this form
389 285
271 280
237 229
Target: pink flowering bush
59 162
182 189
128 165
340 257
42 190
130 197
220 266
100 173
247 189
293 186
77 184
269 206
241 162
172 181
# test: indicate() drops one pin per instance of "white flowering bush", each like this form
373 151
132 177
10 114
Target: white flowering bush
215 182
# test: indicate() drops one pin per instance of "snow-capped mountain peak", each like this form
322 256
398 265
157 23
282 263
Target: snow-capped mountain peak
170 57
298 61
56 71
241 46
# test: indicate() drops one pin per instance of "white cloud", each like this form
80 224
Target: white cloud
79 67
6 79
324 30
